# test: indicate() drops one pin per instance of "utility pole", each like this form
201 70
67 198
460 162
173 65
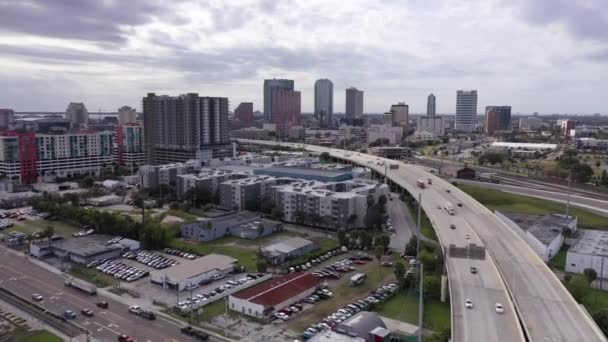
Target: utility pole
602 274
143 200
568 198
420 302
418 228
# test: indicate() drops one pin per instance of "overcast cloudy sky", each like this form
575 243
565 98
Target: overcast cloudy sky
549 56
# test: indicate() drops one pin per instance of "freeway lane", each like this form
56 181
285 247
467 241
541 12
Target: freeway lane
20 276
544 306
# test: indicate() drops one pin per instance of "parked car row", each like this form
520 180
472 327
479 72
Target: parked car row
389 225
333 271
5 223
182 254
200 299
83 232
151 259
17 214
121 271
318 260
340 315
285 314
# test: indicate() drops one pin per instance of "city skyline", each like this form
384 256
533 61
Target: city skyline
225 49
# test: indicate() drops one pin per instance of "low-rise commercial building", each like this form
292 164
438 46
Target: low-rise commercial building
244 224
246 193
455 171
589 251
591 143
346 132
544 234
391 152
392 133
365 326
193 272
104 201
329 205
208 179
84 249
292 248
262 300
318 174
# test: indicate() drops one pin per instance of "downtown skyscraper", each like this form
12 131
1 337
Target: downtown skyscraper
498 118
324 102
271 86
179 128
431 105
354 104
466 111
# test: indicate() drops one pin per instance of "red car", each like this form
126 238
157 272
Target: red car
359 262
125 338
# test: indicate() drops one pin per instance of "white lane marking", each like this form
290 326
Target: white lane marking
103 327
112 325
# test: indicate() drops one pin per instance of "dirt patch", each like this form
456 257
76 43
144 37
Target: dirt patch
172 219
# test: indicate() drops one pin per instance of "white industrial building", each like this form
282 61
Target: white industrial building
530 123
589 251
393 134
279 252
431 124
542 233
193 271
262 300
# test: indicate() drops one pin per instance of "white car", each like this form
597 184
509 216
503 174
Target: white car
135 309
37 297
499 308
468 304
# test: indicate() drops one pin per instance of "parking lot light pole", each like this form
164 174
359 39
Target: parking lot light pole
420 303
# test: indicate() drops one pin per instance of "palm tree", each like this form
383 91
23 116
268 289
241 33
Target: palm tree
379 252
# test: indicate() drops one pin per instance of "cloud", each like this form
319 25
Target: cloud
100 21
586 19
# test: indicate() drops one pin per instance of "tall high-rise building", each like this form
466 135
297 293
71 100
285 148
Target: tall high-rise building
430 105
244 112
270 86
286 110
7 118
498 118
354 104
324 102
126 114
466 111
77 114
401 114
178 128
130 149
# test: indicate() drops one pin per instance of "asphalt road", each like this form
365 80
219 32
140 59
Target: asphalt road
544 306
402 222
20 276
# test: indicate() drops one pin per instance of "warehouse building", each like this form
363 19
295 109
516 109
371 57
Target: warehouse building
543 233
84 249
243 224
589 251
262 300
292 248
193 271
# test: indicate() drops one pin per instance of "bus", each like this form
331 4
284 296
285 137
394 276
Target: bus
449 208
420 184
357 279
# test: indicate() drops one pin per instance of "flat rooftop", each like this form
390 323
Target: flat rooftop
190 268
277 290
524 145
318 172
287 246
87 245
591 242
544 227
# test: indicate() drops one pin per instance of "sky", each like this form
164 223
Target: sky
546 56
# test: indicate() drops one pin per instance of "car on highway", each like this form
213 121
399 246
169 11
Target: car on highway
499 308
452 226
467 237
135 309
125 338
473 269
103 305
37 297
87 312
459 204
468 304
69 314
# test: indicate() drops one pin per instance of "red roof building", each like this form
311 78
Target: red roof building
274 294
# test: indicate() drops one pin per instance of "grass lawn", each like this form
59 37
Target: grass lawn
326 245
426 228
188 217
40 336
32 226
92 275
213 310
595 300
502 201
559 260
404 308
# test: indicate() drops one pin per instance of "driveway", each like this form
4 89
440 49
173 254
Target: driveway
402 221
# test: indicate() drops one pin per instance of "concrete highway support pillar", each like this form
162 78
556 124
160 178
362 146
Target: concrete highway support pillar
444 288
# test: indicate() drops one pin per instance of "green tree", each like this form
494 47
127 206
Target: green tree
432 287
48 232
582 173
440 336
88 182
400 274
365 239
578 287
494 158
598 164
601 318
325 157
428 260
379 252
382 240
342 238
590 274
410 247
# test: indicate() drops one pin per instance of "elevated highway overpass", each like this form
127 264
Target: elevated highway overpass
537 306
